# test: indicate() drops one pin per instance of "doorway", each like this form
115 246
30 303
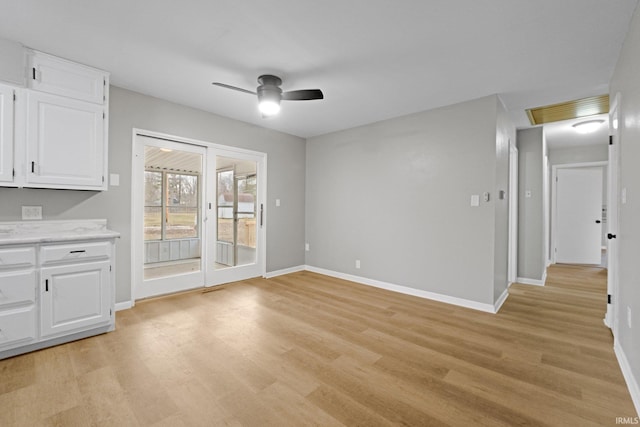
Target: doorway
198 214
577 213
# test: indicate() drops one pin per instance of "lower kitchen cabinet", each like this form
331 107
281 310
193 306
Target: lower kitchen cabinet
53 292
74 296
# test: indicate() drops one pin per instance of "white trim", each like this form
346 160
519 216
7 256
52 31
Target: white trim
512 269
284 271
125 305
527 281
498 304
632 382
488 308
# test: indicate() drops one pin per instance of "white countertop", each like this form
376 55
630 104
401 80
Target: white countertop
23 232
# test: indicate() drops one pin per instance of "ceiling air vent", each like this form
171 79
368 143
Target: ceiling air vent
569 110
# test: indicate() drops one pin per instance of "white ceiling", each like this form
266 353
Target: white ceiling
373 59
563 135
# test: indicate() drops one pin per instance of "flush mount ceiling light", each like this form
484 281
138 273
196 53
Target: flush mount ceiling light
589 126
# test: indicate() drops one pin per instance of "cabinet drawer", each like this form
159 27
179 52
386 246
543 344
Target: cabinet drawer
17 287
17 257
61 77
75 252
17 326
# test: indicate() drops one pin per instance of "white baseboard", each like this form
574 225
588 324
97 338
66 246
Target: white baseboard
501 300
632 382
527 281
271 274
125 305
488 308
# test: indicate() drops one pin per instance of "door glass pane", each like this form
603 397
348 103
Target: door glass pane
236 212
172 212
152 205
225 206
246 224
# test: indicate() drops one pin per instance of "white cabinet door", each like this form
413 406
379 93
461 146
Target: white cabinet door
65 143
74 297
59 76
6 133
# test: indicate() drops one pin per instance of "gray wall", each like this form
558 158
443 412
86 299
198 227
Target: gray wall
128 110
395 195
531 232
626 80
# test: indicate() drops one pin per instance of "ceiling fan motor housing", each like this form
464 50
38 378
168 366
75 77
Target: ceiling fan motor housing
269 88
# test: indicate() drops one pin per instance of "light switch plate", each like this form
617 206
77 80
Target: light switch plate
31 212
475 200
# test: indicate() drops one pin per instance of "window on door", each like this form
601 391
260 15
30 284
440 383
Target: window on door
172 209
237 186
171 205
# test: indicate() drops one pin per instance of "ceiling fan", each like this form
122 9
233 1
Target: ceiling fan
270 94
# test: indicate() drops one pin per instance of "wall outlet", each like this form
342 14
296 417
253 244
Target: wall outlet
306 247
31 212
278 204
357 263
629 317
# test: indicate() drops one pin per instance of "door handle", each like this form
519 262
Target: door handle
611 236
261 213
598 221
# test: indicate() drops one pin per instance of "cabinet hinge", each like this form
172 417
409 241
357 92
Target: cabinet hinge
104 115
110 268
610 139
608 299
14 173
14 96
110 312
103 179
33 73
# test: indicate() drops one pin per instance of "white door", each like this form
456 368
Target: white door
579 215
169 219
65 143
611 318
74 297
237 219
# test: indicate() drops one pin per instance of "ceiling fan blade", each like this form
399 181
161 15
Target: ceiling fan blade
302 95
239 89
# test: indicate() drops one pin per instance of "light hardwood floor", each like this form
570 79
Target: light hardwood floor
305 349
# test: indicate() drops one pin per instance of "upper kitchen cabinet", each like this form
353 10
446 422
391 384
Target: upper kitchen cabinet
66 125
65 143
6 133
69 79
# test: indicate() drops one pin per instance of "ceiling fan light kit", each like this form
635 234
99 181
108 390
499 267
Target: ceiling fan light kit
269 94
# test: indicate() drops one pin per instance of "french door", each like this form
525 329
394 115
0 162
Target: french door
198 215
239 231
